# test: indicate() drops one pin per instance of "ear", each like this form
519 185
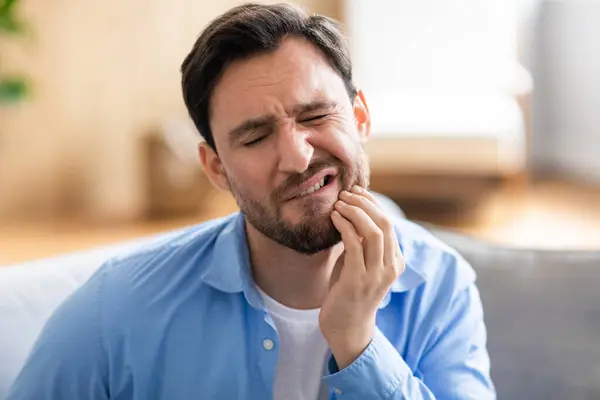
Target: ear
362 116
213 167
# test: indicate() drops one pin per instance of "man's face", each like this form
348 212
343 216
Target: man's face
289 140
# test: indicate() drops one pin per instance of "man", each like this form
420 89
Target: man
311 291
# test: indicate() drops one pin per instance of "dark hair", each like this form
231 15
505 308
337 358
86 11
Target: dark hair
248 30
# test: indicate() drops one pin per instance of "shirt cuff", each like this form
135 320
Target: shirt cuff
376 374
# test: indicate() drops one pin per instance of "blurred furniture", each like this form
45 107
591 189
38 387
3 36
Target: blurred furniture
542 310
174 181
446 93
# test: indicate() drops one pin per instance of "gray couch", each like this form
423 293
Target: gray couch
542 311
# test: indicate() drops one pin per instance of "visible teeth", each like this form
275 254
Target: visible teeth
314 188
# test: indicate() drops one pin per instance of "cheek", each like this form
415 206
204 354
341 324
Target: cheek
250 178
342 142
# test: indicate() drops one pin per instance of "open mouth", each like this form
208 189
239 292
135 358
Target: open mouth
325 181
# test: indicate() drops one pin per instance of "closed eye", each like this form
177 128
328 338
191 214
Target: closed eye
314 118
254 142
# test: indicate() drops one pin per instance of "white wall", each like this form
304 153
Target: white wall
455 44
567 96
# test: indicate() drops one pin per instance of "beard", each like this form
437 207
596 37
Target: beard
315 232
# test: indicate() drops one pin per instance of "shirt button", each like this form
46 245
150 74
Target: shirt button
337 391
268 344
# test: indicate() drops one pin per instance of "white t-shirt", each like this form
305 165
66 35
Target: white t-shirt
302 353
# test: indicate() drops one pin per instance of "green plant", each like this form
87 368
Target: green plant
12 88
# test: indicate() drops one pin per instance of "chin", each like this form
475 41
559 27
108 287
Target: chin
309 211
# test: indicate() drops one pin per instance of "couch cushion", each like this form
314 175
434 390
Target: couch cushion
542 312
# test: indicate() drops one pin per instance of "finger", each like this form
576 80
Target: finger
400 262
392 254
354 257
337 269
393 259
364 192
366 228
376 214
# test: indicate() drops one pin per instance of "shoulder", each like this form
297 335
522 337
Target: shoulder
437 265
438 286
195 242
160 270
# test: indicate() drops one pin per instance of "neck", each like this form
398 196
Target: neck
294 279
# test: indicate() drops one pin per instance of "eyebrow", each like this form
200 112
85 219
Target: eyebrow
265 120
313 106
250 125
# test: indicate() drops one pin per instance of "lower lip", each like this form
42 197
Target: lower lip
322 190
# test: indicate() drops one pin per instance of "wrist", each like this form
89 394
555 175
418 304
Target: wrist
346 348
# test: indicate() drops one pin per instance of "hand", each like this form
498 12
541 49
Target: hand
363 274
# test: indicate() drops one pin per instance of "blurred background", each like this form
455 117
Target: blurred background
485 116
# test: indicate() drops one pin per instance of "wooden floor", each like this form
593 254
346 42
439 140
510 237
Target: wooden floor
545 215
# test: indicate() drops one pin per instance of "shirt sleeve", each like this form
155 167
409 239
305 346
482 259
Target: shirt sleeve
454 366
67 361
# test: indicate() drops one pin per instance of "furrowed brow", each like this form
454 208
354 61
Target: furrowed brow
314 106
250 125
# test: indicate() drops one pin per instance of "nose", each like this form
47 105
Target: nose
295 151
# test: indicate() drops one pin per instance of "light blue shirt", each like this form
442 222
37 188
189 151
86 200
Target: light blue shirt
182 319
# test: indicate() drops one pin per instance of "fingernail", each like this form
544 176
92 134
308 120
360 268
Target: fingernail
344 193
339 203
357 189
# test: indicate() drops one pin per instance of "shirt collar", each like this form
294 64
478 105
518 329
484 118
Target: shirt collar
229 267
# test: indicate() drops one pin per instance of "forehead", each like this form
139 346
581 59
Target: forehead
297 72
